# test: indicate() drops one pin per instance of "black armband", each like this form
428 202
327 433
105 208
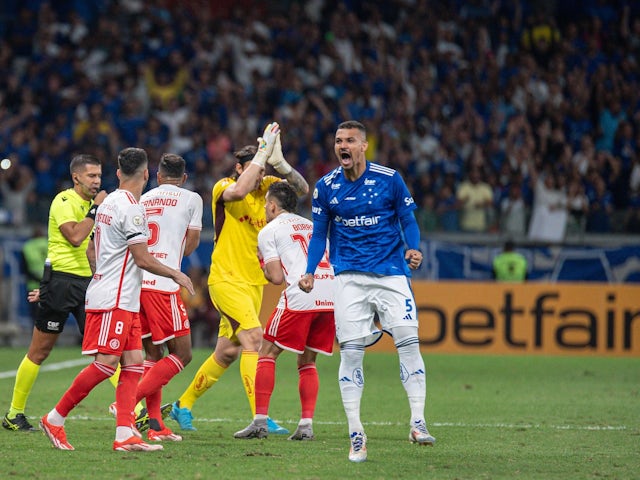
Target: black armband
92 213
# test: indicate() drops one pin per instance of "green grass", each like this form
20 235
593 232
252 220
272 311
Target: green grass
494 417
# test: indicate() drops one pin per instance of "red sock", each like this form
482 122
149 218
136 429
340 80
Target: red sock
308 385
265 381
150 387
126 393
85 381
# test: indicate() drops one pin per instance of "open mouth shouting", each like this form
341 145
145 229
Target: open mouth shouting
346 159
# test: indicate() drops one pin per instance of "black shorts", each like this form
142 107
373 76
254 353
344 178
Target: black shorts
61 295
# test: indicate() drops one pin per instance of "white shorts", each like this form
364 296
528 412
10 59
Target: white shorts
359 296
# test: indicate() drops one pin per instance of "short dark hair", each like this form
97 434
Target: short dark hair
349 124
131 160
171 165
80 161
284 195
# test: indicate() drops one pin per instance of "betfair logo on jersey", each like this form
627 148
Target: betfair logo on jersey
408 201
361 221
316 210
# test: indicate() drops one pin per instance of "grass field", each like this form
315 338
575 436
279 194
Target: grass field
493 417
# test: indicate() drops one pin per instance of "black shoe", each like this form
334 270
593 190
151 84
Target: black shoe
165 410
19 422
142 420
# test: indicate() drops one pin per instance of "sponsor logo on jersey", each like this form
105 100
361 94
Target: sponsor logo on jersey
316 210
361 221
408 201
324 303
334 201
335 186
369 182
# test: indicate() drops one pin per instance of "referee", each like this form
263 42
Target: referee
63 286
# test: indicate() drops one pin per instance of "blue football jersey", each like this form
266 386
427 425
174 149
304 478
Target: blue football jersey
364 231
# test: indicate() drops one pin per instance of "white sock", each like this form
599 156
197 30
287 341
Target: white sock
351 380
55 419
305 421
122 433
412 374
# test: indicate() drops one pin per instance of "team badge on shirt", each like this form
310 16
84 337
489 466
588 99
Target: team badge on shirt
137 220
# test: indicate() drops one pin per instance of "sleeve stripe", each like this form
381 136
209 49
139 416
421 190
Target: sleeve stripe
382 169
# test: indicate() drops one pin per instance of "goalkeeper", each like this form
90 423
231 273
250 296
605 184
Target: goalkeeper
236 280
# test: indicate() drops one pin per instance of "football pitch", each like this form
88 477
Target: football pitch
494 417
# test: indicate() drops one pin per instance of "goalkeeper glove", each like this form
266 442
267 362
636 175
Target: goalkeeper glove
265 144
277 161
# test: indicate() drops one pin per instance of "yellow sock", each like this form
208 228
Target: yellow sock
114 381
209 373
248 367
25 378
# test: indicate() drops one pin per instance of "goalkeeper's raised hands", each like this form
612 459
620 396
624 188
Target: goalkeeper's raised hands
277 161
266 144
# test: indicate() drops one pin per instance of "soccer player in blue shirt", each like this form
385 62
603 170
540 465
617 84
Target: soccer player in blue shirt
368 214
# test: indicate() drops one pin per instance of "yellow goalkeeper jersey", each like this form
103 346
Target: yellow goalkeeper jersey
235 242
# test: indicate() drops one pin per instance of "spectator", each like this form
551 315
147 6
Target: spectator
578 205
447 208
476 198
527 83
426 215
549 216
600 207
16 185
513 213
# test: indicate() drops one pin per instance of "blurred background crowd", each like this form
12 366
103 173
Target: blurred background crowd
515 117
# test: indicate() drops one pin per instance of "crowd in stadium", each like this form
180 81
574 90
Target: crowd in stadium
531 104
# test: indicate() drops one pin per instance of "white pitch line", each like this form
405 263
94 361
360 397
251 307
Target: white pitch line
431 424
85 361
51 367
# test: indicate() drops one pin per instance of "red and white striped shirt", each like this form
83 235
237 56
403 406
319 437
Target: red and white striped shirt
120 222
286 239
171 211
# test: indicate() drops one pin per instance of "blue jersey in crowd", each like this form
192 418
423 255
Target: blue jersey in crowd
364 220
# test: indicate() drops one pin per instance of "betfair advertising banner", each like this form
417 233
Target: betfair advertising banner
532 318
